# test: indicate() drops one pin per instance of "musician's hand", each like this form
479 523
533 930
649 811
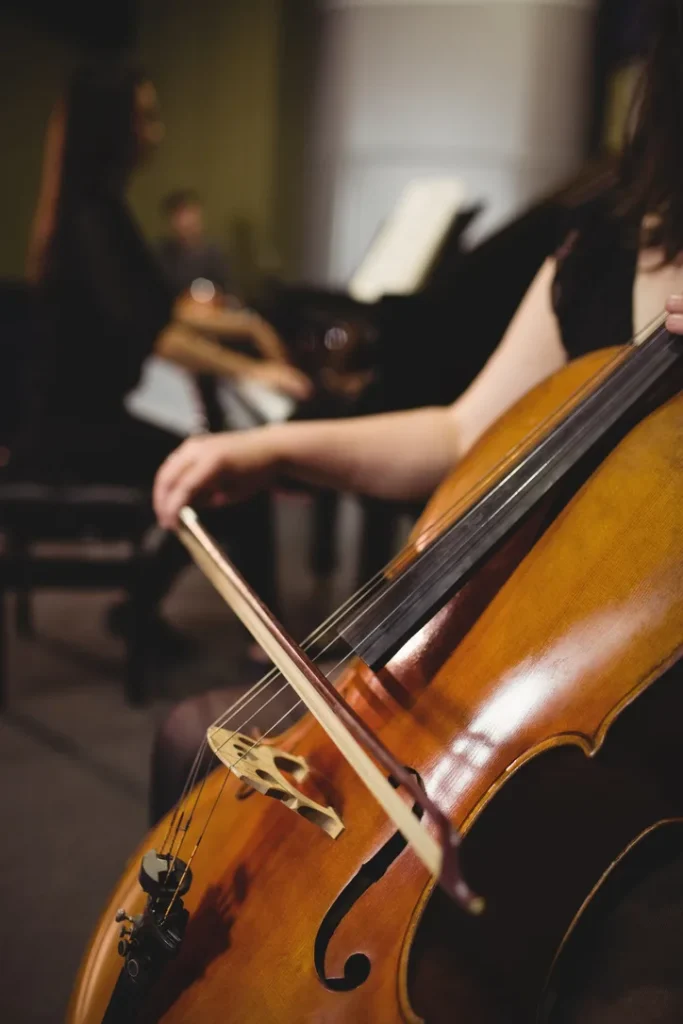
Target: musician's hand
214 468
283 377
674 321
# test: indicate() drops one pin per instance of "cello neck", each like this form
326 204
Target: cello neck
408 601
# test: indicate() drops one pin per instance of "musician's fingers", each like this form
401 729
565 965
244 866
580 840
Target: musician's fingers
187 486
674 323
170 473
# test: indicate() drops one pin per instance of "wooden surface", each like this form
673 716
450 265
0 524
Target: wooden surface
517 706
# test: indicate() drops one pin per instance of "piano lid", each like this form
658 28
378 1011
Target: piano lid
406 246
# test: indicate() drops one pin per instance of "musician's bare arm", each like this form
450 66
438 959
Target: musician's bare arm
200 354
394 455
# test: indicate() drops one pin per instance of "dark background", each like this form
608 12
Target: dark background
101 23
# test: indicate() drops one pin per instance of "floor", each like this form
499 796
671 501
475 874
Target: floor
74 759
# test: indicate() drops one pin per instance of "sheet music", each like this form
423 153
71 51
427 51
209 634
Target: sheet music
405 248
272 406
167 397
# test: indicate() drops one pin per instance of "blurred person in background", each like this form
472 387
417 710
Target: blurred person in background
200 277
186 254
105 306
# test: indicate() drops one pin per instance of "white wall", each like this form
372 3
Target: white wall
491 90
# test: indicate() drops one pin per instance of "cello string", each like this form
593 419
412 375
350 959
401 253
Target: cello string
346 608
251 695
227 716
254 746
427 535
230 767
380 578
179 810
191 781
267 681
497 473
228 773
349 607
181 833
335 669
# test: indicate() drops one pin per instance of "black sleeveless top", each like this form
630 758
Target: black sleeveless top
592 291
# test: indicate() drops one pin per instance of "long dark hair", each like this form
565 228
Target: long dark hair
100 145
91 147
652 171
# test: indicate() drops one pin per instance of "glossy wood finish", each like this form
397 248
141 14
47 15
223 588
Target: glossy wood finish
500 704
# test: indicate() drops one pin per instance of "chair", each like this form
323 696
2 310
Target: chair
32 513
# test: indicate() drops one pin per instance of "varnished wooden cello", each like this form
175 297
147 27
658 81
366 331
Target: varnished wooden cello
512 685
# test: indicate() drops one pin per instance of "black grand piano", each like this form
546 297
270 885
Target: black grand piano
427 347
406 351
400 352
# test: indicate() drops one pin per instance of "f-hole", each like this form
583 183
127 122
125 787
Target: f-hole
357 967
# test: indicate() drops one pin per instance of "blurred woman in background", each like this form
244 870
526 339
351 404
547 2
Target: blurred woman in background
105 306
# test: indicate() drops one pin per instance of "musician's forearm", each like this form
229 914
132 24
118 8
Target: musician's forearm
267 340
201 355
398 456
232 323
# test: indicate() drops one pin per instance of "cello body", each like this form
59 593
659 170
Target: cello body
541 710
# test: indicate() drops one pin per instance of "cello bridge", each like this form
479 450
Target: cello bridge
262 767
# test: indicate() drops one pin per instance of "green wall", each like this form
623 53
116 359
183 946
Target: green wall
298 52
216 67
233 83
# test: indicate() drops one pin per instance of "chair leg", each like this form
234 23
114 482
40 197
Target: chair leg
23 608
3 651
378 537
323 546
137 640
23 613
135 691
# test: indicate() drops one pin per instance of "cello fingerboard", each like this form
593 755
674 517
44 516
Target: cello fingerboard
408 601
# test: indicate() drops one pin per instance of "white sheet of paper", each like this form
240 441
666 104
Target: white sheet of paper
406 245
273 406
167 397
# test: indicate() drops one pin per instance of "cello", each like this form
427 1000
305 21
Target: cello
501 742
